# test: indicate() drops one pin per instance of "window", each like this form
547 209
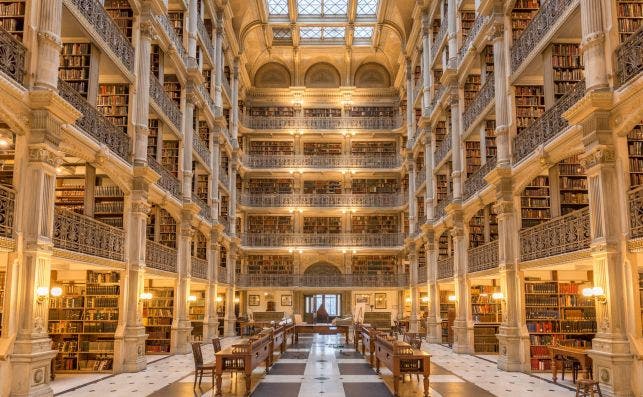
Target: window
363 32
331 33
281 33
366 7
322 7
277 7
332 303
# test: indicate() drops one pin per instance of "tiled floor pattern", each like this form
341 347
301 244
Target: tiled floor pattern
320 366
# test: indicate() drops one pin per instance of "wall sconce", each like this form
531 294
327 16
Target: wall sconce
301 251
300 210
425 299
344 251
219 299
408 300
145 296
56 292
497 296
192 298
354 251
596 292
290 250
4 142
452 298
42 293
236 300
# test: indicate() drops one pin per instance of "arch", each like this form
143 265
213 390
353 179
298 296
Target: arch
322 268
372 75
322 75
272 75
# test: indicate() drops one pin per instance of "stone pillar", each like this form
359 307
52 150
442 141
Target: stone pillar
503 141
49 45
234 111
218 54
193 14
216 165
210 320
142 97
412 203
463 324
593 44
233 194
413 281
426 62
456 153
181 326
187 142
410 113
452 34
230 318
428 164
433 321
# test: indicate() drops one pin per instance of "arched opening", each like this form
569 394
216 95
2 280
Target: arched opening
322 75
272 75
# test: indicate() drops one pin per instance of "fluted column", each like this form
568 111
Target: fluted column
503 141
218 54
456 154
210 320
413 279
593 44
452 34
463 324
410 114
433 321
233 195
230 318
428 164
193 14
234 113
49 44
141 113
412 188
214 187
426 63
188 131
181 326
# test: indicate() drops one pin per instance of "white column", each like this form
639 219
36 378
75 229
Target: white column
218 54
456 153
426 62
463 324
230 318
49 44
452 34
181 326
413 279
234 112
187 143
210 320
193 14
142 96
593 44
433 322
503 141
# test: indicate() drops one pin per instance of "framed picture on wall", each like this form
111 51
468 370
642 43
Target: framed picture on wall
286 300
253 300
380 300
362 298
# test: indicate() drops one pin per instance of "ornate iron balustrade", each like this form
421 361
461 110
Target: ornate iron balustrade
174 39
636 212
167 181
437 95
483 257
422 275
299 161
222 274
208 99
205 38
322 280
629 58
80 233
201 149
321 123
322 200
546 18
94 124
557 236
445 268
12 56
421 220
95 15
443 149
418 87
420 177
475 29
226 87
267 280
204 211
440 208
7 208
322 240
165 103
548 126
199 268
479 103
439 38
223 177
160 257
476 182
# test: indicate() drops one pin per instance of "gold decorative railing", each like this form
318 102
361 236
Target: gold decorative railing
323 200
321 123
208 100
445 268
305 161
483 257
441 206
549 125
567 233
160 257
473 32
205 38
80 233
322 240
174 39
222 274
12 56
479 104
418 86
629 58
94 124
201 148
223 177
439 38
444 148
165 103
420 177
636 212
322 280
204 210
476 182
199 268
167 181
7 208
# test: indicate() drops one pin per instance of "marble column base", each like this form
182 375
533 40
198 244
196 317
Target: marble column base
181 335
129 350
434 328
462 337
228 326
210 330
514 350
31 367
613 366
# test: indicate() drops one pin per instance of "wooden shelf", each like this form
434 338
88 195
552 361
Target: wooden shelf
167 229
271 111
530 105
467 19
322 148
322 187
157 318
12 17
172 88
374 264
282 148
372 111
270 186
375 186
170 157
567 63
322 225
112 102
176 20
122 14
521 16
635 152
473 159
572 185
269 224
535 203
322 112
629 16
75 61
270 264
375 224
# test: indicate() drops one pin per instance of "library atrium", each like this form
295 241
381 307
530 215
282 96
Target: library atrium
321 197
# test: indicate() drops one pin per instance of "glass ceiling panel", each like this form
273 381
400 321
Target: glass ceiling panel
322 33
333 32
282 33
310 32
363 32
367 7
322 7
309 7
277 7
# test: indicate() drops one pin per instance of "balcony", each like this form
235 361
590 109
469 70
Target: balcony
323 280
548 126
321 123
558 236
222 275
545 21
201 149
418 87
94 124
476 182
168 181
298 240
321 162
204 210
175 41
12 56
323 200
483 257
437 97
636 212
165 105
420 177
629 58
160 257
79 233
205 38
7 208
226 87
209 102
422 274
445 268
471 37
224 179
92 14
478 108
199 268
439 38
442 150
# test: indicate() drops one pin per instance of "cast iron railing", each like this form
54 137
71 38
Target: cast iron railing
322 200
322 240
445 268
12 56
7 207
167 181
160 257
636 212
479 104
629 58
165 103
306 161
199 268
476 182
483 257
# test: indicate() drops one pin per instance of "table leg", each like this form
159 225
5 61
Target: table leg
248 383
426 386
554 368
218 385
296 336
396 385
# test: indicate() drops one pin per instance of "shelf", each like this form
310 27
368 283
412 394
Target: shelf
374 264
157 319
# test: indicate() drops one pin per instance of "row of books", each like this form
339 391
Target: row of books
103 290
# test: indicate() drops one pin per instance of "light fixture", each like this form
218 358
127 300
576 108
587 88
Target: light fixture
354 251
301 251
291 210
452 298
290 250
219 299
408 300
56 292
41 293
497 296
300 210
596 292
192 298
59 170
145 296
425 299
343 251
4 142
236 300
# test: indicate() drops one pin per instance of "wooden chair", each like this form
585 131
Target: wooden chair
216 343
199 367
587 387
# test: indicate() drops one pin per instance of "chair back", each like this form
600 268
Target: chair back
198 355
416 343
216 343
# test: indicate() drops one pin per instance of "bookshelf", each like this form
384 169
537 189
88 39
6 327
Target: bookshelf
484 338
521 15
488 59
322 225
375 224
3 280
483 307
153 137
444 250
223 208
122 14
202 187
112 102
207 78
75 61
150 227
204 132
441 183
108 204
270 264
170 157
374 264
7 162
199 245
572 186
372 111
322 187
640 299
70 194
223 256
493 224
156 56
322 112
269 224
167 229
557 311
535 202
83 320
196 314
471 89
12 17
476 229
322 148
473 159
375 186
270 186
176 20
440 132
490 139
271 111
630 17
172 88
530 105
467 19
567 63
276 148
157 319
447 313
635 152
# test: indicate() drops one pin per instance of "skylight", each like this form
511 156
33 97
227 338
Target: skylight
322 7
363 32
367 7
322 33
277 7
282 33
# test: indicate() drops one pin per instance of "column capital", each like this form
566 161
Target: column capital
503 207
599 155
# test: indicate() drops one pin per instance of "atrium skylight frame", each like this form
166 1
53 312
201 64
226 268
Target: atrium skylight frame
363 34
367 8
322 8
322 34
282 35
277 8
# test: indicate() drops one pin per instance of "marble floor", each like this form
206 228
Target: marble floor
316 366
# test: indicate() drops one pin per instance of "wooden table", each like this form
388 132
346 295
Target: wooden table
245 357
559 352
401 359
368 335
322 329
